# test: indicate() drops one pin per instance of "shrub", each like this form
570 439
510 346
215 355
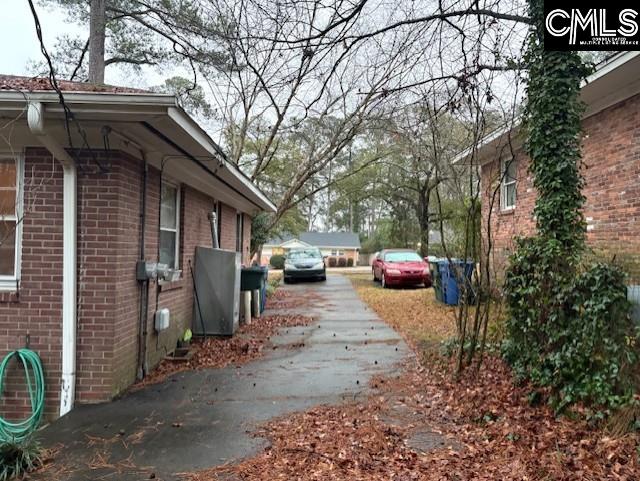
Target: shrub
349 262
19 458
342 262
332 262
579 340
273 282
277 261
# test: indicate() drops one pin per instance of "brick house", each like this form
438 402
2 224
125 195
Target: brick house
123 175
611 170
331 244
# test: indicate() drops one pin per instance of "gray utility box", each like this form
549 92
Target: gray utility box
217 296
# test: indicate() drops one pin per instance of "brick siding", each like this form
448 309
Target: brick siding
109 230
611 169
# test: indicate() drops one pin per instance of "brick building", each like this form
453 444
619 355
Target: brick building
610 166
127 176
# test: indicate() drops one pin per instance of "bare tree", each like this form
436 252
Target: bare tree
315 100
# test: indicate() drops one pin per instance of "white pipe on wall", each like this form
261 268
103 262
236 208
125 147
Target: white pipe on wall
35 117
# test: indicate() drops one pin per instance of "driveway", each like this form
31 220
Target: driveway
199 419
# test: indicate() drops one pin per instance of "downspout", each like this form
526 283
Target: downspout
35 117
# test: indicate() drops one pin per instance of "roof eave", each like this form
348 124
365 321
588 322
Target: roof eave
181 118
481 153
126 106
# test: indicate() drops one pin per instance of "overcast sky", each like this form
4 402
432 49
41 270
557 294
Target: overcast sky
18 34
20 43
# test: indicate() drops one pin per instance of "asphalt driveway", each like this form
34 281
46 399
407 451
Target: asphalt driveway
199 419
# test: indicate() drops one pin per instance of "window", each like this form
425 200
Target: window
300 254
336 252
508 184
10 219
402 256
239 231
169 225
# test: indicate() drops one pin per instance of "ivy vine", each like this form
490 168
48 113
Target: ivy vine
569 327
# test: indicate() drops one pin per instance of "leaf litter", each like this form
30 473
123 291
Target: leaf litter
246 345
491 431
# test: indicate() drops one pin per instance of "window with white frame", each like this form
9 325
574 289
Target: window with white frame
10 219
336 252
509 171
170 225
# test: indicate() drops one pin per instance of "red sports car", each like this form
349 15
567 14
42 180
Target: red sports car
396 267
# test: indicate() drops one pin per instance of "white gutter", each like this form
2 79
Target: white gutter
90 98
35 116
609 66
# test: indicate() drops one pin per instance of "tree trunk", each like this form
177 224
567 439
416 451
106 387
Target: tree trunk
97 23
350 216
310 212
329 222
423 221
424 238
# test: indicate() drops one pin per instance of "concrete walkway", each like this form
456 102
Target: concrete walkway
200 419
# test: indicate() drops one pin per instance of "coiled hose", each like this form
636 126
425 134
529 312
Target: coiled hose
34 376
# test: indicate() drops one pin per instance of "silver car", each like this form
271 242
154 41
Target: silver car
304 263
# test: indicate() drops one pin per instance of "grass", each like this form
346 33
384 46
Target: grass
414 312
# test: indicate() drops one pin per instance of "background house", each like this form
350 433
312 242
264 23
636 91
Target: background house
610 166
331 244
129 177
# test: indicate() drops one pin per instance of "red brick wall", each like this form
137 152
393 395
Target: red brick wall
37 307
103 225
612 174
109 214
611 169
228 228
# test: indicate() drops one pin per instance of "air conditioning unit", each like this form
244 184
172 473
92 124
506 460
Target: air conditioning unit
162 319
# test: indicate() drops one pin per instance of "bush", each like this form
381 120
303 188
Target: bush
332 262
273 281
277 261
342 262
578 340
349 262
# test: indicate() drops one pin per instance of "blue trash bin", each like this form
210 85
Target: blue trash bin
451 273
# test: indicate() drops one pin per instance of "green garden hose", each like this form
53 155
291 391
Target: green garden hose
34 376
